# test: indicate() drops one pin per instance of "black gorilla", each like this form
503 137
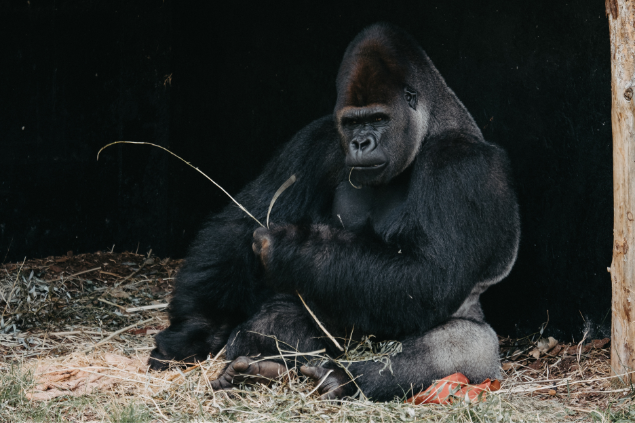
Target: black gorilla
401 216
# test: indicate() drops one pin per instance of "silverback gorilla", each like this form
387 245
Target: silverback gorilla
401 216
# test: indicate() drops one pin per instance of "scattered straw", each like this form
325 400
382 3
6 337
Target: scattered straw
120 331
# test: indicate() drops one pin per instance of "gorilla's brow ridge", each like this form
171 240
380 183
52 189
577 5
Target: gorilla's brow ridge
361 112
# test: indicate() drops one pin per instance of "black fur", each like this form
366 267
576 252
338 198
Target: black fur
401 247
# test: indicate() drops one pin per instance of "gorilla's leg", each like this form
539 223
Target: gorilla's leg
188 341
282 318
282 324
458 345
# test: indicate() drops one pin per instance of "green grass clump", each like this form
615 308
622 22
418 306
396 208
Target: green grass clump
130 413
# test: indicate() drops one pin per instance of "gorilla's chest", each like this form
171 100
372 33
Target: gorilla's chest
355 208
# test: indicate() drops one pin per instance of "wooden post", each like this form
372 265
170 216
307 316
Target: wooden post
621 15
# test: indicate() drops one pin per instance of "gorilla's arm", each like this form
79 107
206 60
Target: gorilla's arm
459 227
221 275
220 283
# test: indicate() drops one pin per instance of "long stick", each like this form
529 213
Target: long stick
621 14
337 344
187 163
280 190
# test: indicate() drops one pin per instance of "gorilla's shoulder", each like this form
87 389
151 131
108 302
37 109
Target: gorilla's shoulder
324 127
314 150
316 143
457 147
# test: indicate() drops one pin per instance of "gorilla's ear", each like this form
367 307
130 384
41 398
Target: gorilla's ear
411 97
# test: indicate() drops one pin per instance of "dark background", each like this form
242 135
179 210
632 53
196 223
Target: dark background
224 85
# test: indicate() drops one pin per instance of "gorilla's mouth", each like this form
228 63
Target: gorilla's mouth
378 166
367 173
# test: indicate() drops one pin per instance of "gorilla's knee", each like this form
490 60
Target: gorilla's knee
463 346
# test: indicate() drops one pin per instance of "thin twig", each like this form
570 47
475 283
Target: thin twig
111 274
222 350
189 369
282 188
158 409
132 274
349 179
337 344
75 274
77 332
148 307
112 304
13 288
120 331
298 354
320 382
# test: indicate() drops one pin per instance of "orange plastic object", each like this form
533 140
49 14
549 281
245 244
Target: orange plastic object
455 386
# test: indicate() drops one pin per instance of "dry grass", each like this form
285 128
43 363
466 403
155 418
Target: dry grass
45 336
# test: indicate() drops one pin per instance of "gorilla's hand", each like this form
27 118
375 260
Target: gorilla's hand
262 244
289 251
275 241
276 248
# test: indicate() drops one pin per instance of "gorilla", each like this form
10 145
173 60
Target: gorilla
401 217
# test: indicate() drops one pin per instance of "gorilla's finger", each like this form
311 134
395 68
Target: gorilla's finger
316 373
221 384
260 233
241 365
231 376
268 369
261 244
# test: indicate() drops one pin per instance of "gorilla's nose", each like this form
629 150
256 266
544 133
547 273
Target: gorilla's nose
361 146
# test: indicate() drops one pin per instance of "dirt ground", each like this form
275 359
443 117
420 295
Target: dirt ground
76 331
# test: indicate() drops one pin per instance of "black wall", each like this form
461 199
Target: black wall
224 85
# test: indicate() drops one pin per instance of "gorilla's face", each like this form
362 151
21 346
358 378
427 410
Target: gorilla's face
380 140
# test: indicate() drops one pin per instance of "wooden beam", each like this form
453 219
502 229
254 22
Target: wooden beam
621 15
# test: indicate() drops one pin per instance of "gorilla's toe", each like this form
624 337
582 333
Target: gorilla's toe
245 370
334 383
241 365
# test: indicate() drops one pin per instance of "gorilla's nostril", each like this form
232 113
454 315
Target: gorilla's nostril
362 146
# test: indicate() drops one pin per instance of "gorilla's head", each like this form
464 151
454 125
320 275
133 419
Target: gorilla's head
381 112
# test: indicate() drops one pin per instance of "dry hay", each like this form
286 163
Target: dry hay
50 370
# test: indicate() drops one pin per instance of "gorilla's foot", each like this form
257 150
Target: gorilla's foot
246 370
334 383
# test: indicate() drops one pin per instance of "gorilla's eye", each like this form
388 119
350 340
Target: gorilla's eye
378 119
